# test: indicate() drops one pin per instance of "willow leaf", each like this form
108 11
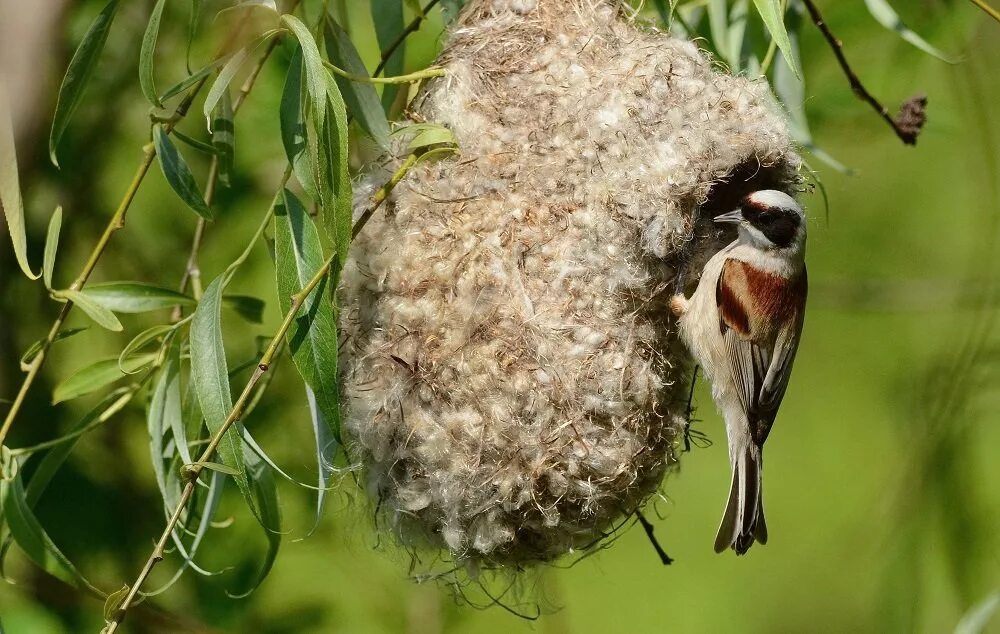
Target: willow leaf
147 53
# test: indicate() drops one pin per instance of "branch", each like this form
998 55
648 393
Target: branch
193 471
990 11
646 526
912 115
412 27
433 71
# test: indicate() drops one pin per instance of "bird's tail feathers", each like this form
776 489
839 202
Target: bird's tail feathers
743 520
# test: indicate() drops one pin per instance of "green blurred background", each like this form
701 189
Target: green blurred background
883 480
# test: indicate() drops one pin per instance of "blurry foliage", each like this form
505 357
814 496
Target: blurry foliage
68 481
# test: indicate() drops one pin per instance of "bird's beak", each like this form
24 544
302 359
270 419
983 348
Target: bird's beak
733 217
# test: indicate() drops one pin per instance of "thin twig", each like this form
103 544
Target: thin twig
990 11
412 27
433 71
905 129
646 526
194 470
116 222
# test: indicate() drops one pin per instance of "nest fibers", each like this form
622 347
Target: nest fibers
512 378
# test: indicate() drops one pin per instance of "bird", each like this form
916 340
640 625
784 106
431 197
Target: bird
742 324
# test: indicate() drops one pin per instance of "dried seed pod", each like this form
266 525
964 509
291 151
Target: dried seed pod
511 376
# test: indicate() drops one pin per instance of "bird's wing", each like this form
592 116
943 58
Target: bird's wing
761 336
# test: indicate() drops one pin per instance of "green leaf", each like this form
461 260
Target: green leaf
428 136
80 69
178 174
885 15
95 376
101 315
292 124
10 187
226 75
29 535
147 53
312 336
266 494
192 29
388 18
247 307
201 146
316 75
336 182
51 246
191 80
114 602
326 452
33 349
770 11
210 376
224 137
978 617
361 98
135 297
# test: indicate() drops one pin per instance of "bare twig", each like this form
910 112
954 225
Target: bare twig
646 526
412 27
911 118
990 11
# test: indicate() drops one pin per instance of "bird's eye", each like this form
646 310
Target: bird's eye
766 217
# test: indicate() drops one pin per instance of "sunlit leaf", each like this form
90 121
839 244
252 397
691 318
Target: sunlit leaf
96 375
178 174
147 53
290 113
140 341
135 297
33 350
31 538
979 616
10 187
224 137
114 602
361 98
316 75
430 135
216 466
326 451
101 315
78 73
885 15
771 12
211 381
51 246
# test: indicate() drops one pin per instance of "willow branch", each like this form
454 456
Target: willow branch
911 117
411 28
433 71
193 471
990 11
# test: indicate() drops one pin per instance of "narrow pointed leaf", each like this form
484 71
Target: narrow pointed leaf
226 76
337 197
33 349
224 137
201 146
210 376
51 246
78 73
316 74
10 187
312 338
29 535
95 376
885 15
771 13
191 80
326 451
101 315
192 29
362 100
265 491
216 466
292 123
178 174
135 297
388 18
147 53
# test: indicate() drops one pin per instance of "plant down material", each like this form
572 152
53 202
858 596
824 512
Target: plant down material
511 376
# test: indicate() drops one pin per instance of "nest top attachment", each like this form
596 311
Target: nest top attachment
512 379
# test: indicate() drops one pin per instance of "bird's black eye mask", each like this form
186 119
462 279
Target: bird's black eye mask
778 225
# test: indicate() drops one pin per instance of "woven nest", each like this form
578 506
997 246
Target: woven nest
512 379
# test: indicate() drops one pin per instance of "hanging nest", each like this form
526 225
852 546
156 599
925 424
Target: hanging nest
512 379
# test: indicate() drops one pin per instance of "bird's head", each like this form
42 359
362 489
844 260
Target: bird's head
770 220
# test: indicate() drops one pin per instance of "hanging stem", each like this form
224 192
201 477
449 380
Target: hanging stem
990 11
433 71
411 28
